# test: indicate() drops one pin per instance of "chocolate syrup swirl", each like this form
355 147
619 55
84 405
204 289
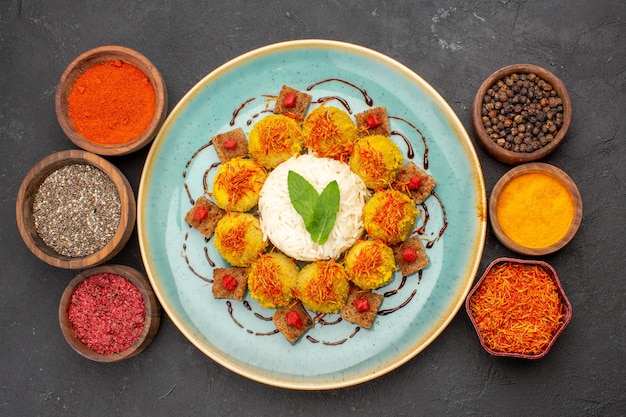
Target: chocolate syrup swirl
239 109
343 102
421 136
366 97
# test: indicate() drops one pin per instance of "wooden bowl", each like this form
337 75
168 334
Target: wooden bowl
96 56
28 191
549 170
566 308
151 322
506 155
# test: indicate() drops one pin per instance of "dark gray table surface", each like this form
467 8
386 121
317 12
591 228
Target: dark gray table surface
453 45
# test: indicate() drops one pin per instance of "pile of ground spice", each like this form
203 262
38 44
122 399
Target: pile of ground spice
77 210
107 313
112 103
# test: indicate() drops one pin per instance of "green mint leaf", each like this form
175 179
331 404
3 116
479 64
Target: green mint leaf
325 213
303 196
319 211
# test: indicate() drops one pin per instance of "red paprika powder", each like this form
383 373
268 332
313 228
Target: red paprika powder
112 103
107 313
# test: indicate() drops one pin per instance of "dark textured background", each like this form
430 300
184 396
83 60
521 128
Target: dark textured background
453 45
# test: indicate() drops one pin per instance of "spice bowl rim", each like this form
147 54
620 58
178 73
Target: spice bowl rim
505 155
93 57
152 316
567 307
28 190
546 169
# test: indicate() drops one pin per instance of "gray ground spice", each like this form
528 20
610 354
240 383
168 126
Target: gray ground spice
77 210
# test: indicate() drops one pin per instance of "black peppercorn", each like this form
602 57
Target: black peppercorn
522 112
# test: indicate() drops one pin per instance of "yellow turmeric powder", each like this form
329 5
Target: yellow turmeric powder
535 210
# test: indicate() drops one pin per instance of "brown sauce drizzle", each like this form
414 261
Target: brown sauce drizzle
445 221
410 153
196 153
320 318
191 268
366 97
191 200
344 102
421 135
205 177
394 292
259 316
239 109
208 258
394 309
232 315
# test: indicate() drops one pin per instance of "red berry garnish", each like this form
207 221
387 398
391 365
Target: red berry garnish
200 213
229 282
415 183
293 319
290 99
230 144
373 121
409 254
362 304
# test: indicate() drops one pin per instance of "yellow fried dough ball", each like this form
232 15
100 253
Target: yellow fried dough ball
237 184
323 286
238 238
274 139
389 216
370 264
376 159
330 133
272 279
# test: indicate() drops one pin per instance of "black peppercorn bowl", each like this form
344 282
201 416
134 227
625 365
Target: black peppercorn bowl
25 210
152 318
521 113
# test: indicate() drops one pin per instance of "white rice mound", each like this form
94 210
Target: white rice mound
284 227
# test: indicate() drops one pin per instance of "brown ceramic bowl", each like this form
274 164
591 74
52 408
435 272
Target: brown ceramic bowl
151 322
506 155
28 191
96 56
549 170
566 308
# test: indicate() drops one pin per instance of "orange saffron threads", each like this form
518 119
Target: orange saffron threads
275 136
367 261
266 281
517 308
234 239
321 288
394 214
330 133
237 184
112 102
372 162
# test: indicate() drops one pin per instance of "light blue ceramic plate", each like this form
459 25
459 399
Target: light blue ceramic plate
241 336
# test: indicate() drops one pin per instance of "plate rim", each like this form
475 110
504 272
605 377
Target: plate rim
477 180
